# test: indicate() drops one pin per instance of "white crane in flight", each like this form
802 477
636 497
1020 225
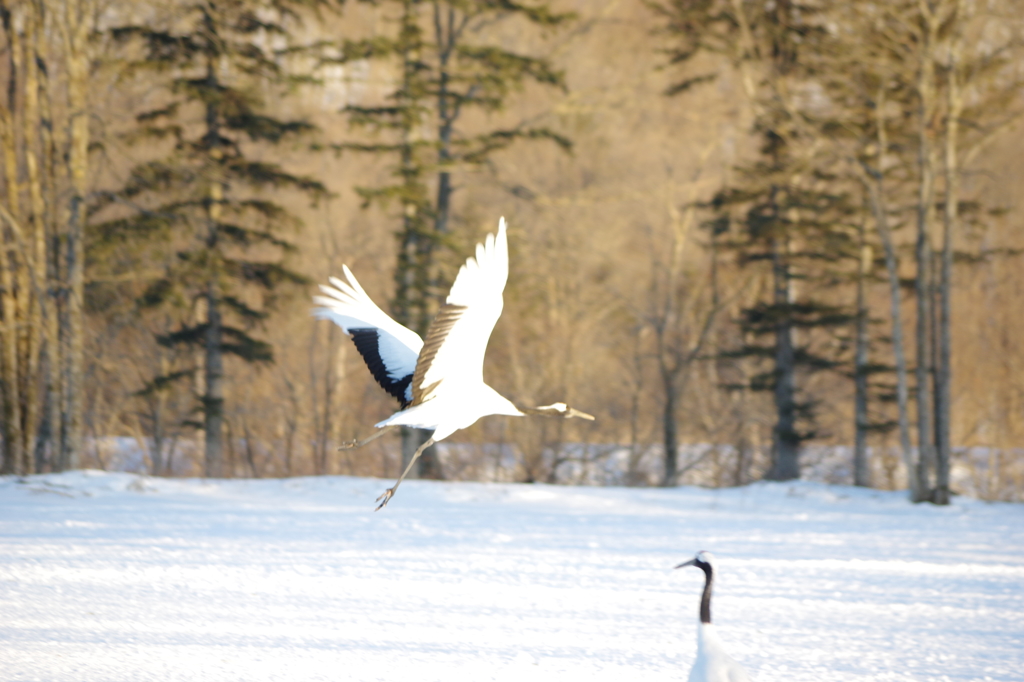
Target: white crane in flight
438 381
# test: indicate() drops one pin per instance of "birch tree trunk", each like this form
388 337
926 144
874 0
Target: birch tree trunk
9 303
874 181
35 244
878 208
53 138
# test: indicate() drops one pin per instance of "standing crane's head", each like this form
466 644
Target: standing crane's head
557 410
702 561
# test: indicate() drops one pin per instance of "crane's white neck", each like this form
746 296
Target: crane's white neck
495 403
707 639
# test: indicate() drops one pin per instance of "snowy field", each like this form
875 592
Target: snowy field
128 578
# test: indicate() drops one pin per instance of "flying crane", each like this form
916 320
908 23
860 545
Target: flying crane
438 381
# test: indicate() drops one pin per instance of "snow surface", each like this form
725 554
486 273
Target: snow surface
123 577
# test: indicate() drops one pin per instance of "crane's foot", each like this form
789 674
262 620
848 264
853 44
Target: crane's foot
385 498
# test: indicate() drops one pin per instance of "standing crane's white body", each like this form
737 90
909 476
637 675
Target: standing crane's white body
712 663
440 380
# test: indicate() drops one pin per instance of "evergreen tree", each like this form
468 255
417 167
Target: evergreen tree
785 211
443 74
801 235
208 197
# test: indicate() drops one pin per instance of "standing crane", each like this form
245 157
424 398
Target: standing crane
712 664
438 381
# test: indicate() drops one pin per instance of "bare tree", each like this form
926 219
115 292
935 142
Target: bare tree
681 316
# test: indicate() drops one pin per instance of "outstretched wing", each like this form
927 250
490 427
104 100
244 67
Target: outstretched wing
389 349
453 352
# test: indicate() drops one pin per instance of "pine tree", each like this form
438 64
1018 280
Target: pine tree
208 198
802 236
443 74
785 211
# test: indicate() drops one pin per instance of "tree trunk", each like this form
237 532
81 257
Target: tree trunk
413 305
75 29
45 436
876 193
228 465
10 367
156 463
291 419
943 373
923 256
861 469
250 451
670 429
213 399
12 433
321 400
926 452
158 407
744 444
896 316
36 248
785 439
447 113
48 452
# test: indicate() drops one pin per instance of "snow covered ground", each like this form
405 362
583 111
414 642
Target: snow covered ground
122 577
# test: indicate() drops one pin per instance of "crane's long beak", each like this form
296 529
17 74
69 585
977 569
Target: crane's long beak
691 562
573 412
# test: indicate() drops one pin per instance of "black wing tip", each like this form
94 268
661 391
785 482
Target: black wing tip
366 340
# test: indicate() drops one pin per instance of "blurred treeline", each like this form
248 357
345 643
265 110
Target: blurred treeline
765 227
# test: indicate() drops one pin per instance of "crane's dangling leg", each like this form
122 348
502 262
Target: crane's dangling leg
390 492
351 444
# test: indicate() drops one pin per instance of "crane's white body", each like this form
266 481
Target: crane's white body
460 409
713 664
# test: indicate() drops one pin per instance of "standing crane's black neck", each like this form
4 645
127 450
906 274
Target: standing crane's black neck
705 600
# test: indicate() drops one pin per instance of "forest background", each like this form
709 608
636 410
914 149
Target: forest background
742 234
